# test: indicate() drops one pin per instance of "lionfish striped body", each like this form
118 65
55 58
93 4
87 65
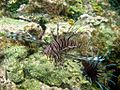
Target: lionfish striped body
58 46
94 74
91 70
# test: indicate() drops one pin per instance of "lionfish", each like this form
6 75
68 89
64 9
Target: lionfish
61 44
94 74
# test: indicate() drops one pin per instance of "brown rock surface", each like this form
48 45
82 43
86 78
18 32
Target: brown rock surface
48 6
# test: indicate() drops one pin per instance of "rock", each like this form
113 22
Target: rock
93 20
33 84
11 25
33 28
62 26
5 83
16 73
50 6
15 52
13 55
21 8
37 66
46 87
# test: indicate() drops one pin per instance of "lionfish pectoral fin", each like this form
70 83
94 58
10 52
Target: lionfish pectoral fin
111 66
101 86
105 88
112 82
112 75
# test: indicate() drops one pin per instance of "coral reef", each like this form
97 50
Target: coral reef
37 66
59 45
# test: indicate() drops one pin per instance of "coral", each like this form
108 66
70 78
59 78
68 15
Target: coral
102 39
50 6
37 66
75 9
44 70
5 83
30 84
15 52
33 29
15 73
95 34
13 55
